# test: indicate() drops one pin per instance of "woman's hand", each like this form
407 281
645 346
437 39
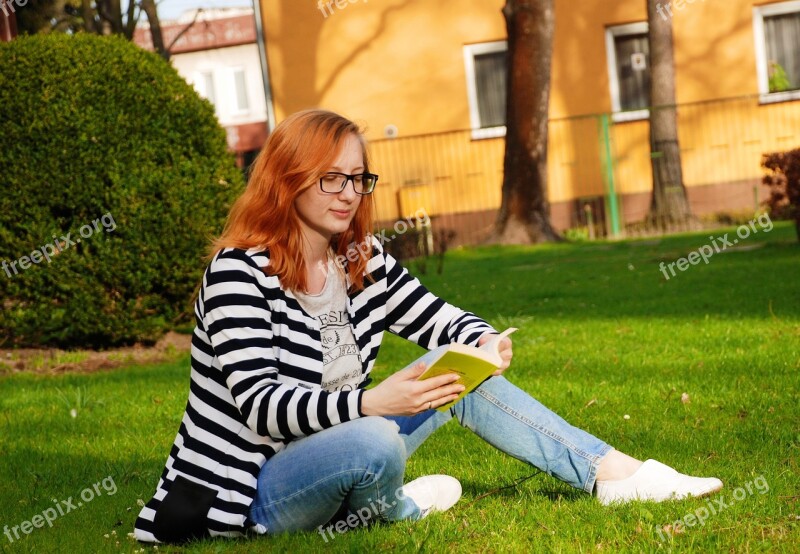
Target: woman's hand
505 350
403 394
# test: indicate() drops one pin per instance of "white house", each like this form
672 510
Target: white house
219 56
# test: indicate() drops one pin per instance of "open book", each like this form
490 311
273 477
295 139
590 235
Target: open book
473 364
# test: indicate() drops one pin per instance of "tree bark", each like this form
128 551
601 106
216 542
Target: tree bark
87 15
131 20
524 215
669 204
149 8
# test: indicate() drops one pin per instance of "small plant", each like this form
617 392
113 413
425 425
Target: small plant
778 79
783 179
79 400
730 217
577 234
442 240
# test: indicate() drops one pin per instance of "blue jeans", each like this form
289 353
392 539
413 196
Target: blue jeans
352 473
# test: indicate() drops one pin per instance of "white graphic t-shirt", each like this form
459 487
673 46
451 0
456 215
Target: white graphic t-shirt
340 354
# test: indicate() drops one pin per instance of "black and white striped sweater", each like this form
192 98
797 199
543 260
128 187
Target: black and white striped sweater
255 383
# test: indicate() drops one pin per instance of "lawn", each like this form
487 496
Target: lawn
701 371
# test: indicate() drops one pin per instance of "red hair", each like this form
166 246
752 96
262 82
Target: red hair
296 154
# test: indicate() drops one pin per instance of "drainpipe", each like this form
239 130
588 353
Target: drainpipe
262 54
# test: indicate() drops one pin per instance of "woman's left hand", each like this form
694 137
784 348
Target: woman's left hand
505 350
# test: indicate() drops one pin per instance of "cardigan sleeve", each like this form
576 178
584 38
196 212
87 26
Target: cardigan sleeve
238 320
418 315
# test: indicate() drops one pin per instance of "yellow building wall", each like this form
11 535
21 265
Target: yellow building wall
401 62
383 62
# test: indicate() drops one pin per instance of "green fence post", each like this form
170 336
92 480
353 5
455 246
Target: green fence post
608 173
755 198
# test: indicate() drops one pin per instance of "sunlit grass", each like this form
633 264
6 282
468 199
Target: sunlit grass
602 336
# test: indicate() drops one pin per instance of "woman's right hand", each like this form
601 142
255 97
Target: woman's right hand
403 394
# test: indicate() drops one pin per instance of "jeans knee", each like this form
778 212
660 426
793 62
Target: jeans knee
377 440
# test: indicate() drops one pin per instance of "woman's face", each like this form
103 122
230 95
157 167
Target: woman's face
323 215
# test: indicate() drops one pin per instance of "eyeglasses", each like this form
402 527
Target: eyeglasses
334 183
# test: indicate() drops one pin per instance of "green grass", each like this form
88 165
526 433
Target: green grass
602 335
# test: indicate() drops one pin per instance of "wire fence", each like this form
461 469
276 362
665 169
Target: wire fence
599 170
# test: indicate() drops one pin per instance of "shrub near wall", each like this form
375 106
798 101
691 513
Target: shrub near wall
93 128
783 178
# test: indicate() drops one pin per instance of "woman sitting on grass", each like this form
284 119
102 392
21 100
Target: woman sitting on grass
280 433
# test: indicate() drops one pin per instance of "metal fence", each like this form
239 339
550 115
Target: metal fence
599 169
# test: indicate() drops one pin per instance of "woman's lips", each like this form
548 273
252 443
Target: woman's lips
341 213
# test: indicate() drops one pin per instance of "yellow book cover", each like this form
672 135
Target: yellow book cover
473 364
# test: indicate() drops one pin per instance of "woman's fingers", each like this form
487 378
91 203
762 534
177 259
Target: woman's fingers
426 385
416 370
441 402
441 396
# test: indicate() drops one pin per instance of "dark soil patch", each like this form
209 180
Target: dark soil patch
54 361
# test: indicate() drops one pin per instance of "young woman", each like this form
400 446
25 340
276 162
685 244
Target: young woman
280 432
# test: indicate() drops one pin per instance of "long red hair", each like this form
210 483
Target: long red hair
296 154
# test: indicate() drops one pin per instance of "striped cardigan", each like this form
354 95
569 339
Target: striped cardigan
256 371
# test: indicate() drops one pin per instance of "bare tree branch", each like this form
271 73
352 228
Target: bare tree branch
184 30
104 11
132 19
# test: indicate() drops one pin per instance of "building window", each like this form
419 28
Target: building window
242 102
204 84
628 55
486 88
777 35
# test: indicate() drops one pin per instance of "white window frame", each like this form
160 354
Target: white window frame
202 89
470 52
762 71
613 32
235 104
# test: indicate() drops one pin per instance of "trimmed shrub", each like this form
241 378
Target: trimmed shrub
783 179
105 145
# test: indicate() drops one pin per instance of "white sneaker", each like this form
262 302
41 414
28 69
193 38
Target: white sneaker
433 493
656 482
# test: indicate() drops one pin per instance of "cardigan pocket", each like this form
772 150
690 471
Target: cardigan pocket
182 515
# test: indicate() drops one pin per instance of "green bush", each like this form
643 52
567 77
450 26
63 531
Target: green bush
783 179
98 132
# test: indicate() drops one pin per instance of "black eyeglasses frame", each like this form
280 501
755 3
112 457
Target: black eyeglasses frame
348 178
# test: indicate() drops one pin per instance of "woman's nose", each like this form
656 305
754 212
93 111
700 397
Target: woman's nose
349 191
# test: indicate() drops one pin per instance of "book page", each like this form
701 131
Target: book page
493 346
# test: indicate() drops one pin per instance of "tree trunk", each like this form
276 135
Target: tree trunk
149 8
115 12
524 215
87 15
669 204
